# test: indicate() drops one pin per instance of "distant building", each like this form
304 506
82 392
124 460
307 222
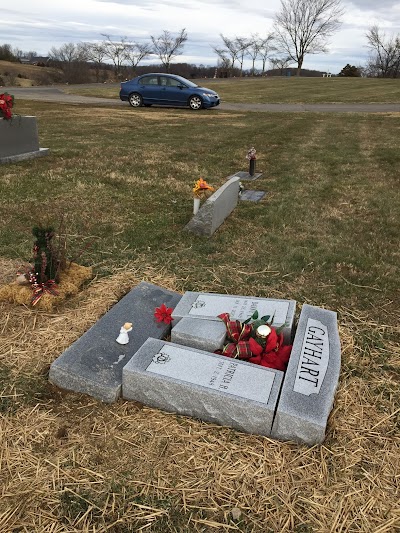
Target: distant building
41 61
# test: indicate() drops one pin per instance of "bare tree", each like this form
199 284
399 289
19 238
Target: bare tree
166 47
303 27
136 52
116 51
385 59
253 51
223 60
71 59
242 45
265 47
67 53
95 52
281 63
229 52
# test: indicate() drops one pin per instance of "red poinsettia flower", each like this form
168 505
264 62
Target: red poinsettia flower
256 349
163 314
272 341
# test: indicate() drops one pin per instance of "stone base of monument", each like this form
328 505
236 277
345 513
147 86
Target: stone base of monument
19 139
245 176
204 385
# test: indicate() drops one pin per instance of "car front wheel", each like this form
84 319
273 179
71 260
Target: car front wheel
195 103
135 100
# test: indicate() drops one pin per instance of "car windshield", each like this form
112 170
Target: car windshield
186 82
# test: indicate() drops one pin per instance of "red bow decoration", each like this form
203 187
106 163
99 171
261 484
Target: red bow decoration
41 288
244 346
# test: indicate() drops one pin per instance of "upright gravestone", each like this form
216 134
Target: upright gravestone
93 364
204 385
311 378
215 209
19 139
207 306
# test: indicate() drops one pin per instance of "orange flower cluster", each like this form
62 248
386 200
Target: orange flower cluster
201 189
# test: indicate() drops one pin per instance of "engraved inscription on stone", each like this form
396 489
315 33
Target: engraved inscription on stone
208 306
314 359
222 374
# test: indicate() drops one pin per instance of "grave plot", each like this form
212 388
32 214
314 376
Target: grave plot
186 376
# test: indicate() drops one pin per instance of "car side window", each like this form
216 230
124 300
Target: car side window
173 83
163 81
149 80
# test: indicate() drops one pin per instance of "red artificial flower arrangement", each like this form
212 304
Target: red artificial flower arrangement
244 343
6 104
163 314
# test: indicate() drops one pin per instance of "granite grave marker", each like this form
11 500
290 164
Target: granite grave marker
311 378
93 364
204 385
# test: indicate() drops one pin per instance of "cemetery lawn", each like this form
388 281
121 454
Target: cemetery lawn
326 234
282 90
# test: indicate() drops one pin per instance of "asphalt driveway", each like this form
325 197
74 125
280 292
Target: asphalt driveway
56 94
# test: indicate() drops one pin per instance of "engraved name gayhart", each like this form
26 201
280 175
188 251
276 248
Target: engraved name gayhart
314 359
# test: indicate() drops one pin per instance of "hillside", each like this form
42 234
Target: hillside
16 74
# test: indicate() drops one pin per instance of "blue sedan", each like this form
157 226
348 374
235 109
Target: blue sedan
167 89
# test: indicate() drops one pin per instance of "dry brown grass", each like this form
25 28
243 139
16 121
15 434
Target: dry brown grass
72 464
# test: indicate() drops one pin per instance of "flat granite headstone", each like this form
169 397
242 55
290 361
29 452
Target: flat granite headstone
207 335
204 385
93 364
202 305
311 378
252 196
215 209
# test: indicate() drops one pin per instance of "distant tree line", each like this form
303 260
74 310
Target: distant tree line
300 28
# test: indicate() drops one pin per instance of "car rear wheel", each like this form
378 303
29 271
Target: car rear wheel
135 100
195 102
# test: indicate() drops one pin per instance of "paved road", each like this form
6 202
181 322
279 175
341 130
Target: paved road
56 94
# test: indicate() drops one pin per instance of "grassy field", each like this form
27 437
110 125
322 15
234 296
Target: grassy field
286 90
326 234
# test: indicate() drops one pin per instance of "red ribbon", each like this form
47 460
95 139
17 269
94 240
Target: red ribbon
239 334
41 288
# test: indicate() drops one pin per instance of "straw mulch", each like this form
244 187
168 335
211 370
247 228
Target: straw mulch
71 464
70 283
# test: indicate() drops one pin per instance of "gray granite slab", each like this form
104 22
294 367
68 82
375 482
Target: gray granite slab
311 378
23 157
252 196
93 364
246 176
208 306
207 335
215 209
18 135
211 387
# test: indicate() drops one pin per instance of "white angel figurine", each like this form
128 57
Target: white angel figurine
123 337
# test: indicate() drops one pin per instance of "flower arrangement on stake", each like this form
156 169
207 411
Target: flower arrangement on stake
251 156
47 278
6 105
257 342
201 190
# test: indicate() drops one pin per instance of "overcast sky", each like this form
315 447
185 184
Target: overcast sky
41 24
